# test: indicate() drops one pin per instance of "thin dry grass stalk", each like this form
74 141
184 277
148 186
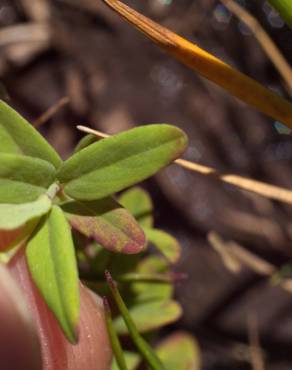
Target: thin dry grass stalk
267 44
49 113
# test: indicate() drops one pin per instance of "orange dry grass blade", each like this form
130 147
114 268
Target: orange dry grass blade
212 68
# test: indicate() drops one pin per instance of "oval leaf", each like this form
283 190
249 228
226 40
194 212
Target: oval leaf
13 216
180 351
18 192
26 169
138 202
132 361
107 223
19 137
165 243
114 163
145 291
150 315
52 263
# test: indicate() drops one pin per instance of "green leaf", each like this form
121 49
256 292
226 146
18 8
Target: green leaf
180 351
165 243
132 361
52 263
138 202
26 169
114 163
85 141
107 223
13 216
17 136
150 315
284 7
152 291
18 192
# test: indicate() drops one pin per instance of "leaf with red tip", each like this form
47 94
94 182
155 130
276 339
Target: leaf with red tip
115 163
107 223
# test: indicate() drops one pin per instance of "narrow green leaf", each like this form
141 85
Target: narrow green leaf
138 202
107 223
144 348
114 163
18 192
17 136
165 243
114 339
180 351
52 263
161 313
13 216
26 169
284 7
132 361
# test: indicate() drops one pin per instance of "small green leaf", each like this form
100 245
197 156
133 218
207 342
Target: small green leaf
150 315
13 216
17 136
138 202
114 163
165 243
52 263
180 351
85 141
107 223
284 7
152 291
132 361
26 169
18 192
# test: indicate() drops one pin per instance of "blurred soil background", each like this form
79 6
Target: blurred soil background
115 79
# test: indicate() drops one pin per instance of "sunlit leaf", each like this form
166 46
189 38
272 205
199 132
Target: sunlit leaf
150 315
139 203
52 263
18 192
132 361
210 67
180 351
165 243
26 169
284 7
17 136
114 163
107 223
13 216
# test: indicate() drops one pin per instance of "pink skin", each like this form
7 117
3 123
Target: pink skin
93 350
19 345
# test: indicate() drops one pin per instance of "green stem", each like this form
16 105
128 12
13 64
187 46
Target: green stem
115 342
145 349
